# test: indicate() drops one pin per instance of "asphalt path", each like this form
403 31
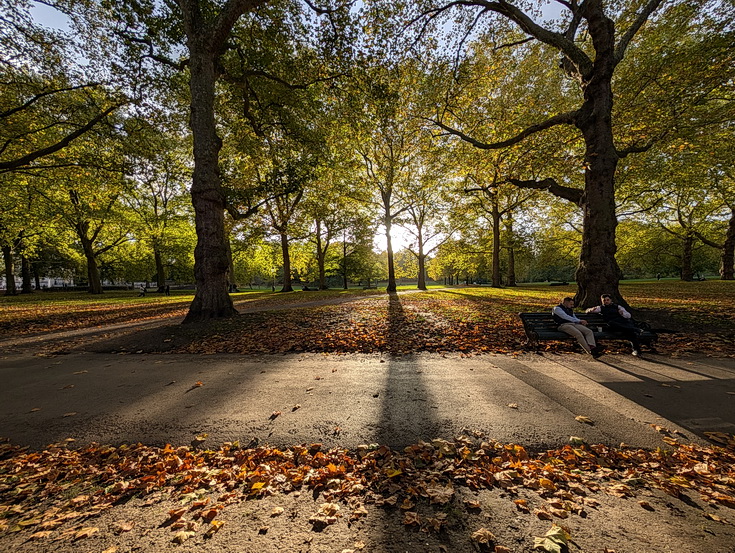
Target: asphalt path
347 400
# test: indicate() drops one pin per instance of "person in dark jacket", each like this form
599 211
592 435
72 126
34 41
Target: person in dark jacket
574 326
619 320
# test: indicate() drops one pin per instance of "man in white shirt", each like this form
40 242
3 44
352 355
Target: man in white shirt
564 316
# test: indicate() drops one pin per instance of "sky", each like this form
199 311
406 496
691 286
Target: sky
50 17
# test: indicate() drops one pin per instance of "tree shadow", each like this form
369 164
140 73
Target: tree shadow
408 411
694 395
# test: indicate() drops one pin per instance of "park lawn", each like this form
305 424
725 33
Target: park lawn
464 319
469 320
55 311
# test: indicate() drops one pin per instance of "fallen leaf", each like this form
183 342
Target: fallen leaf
585 420
513 405
274 414
71 414
646 505
296 407
214 527
483 535
182 536
554 541
86 532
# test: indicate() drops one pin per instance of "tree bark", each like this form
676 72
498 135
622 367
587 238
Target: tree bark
511 252
10 289
94 282
727 259
160 271
687 273
212 299
25 272
321 256
598 271
496 242
287 286
391 263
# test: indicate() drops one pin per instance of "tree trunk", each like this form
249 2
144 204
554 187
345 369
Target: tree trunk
160 272
727 260
94 282
9 271
25 272
391 265
496 242
287 287
511 267
422 270
321 256
598 272
687 273
36 275
511 251
210 255
344 259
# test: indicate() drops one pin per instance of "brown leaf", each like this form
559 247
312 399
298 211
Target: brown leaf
484 536
86 532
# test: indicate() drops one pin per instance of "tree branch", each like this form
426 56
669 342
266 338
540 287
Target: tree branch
648 9
574 195
40 95
25 160
568 118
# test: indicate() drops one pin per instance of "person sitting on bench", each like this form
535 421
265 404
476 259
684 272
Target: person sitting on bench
619 320
564 316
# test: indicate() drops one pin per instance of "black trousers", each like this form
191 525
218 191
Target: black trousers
628 330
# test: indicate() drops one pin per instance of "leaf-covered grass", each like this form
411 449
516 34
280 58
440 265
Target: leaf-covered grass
469 320
457 319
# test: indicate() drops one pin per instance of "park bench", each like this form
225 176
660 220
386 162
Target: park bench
541 327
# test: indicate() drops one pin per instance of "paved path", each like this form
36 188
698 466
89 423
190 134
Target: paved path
351 399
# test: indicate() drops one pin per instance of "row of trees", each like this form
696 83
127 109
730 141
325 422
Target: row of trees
313 127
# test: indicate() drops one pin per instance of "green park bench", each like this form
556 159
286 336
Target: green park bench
541 327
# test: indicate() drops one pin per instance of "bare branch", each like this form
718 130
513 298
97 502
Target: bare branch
511 44
574 195
648 9
638 148
179 66
568 118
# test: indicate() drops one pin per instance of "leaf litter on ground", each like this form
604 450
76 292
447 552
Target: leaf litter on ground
34 485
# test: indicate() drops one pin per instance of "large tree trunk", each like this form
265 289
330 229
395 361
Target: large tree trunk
496 242
422 270
687 250
160 271
36 275
727 260
391 264
287 287
598 271
321 256
210 255
511 252
25 272
94 283
344 260
10 289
